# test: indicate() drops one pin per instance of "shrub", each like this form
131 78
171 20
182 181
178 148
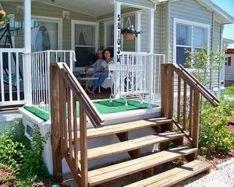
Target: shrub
214 134
229 90
33 164
12 149
22 156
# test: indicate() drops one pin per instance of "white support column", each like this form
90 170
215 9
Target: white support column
151 50
27 26
27 48
117 45
151 38
138 28
117 31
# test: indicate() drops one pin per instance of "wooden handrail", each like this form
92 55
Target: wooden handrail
214 101
183 106
65 128
83 98
192 81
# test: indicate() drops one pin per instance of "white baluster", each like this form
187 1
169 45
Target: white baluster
1 73
17 68
10 75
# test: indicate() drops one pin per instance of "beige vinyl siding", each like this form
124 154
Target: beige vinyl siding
189 10
216 43
145 31
160 29
217 36
46 10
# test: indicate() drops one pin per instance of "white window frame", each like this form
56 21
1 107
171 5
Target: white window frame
59 21
106 23
74 22
192 24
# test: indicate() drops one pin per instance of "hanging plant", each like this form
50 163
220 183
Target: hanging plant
2 17
129 32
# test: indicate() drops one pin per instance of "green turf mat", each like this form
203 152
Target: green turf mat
37 112
103 106
118 105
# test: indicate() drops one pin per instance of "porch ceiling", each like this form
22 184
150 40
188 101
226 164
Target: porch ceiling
91 7
94 8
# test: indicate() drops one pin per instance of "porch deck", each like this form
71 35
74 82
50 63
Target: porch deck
104 106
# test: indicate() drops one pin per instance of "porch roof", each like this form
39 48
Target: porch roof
96 8
221 15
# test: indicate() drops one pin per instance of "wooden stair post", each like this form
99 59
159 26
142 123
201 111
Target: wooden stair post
55 124
84 147
167 94
196 121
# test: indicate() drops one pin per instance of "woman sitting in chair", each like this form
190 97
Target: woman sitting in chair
103 74
98 65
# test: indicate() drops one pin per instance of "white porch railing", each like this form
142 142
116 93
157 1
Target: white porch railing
137 75
11 77
40 72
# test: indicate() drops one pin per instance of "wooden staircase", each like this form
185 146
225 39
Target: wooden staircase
175 136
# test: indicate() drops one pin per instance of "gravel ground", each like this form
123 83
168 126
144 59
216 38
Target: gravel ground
222 176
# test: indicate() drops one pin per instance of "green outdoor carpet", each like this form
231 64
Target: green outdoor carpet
37 112
103 106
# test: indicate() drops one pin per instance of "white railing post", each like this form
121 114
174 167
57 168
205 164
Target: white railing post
151 47
48 77
71 61
27 47
117 32
1 73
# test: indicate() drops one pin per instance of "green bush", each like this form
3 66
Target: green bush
11 152
229 90
214 135
22 156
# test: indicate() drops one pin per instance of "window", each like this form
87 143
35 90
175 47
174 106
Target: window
189 37
85 43
228 61
46 34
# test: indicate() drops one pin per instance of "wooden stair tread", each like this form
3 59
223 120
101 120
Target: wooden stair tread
112 172
125 127
173 176
132 144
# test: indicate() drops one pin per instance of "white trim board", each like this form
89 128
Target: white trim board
106 23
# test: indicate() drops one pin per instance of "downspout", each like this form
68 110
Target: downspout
220 50
168 44
211 47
